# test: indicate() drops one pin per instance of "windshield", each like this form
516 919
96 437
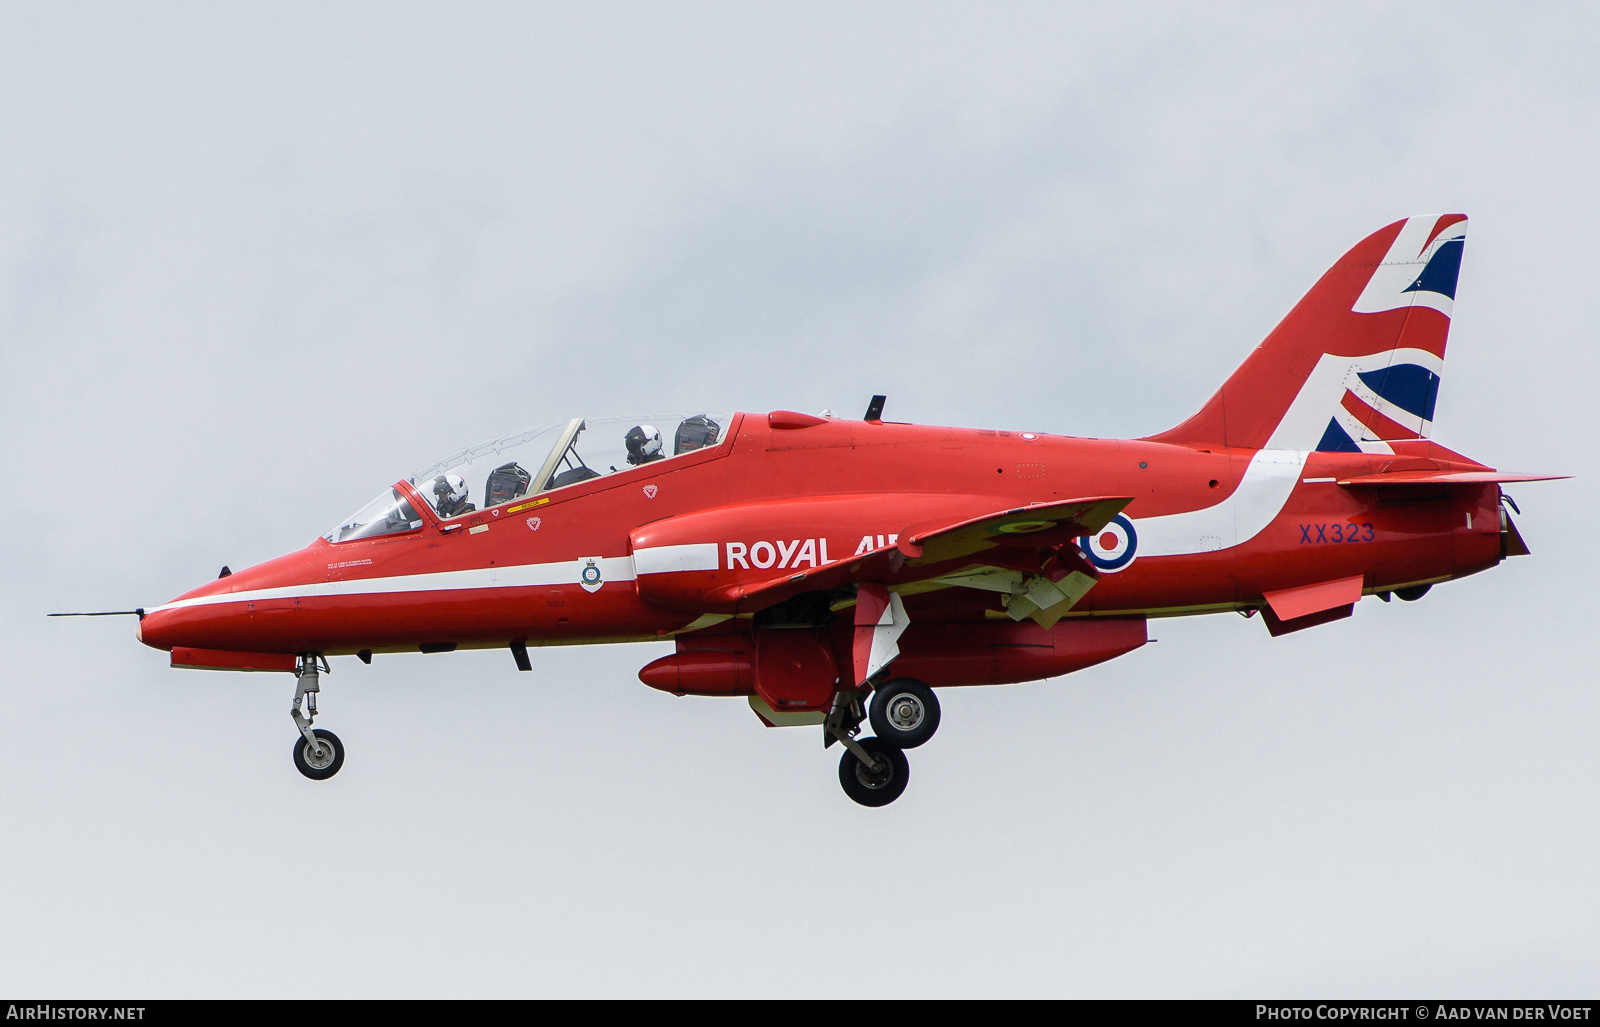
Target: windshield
557 455
386 515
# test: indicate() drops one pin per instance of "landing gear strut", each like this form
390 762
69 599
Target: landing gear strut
318 754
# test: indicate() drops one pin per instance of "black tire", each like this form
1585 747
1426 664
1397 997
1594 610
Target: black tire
905 712
314 768
870 789
1412 593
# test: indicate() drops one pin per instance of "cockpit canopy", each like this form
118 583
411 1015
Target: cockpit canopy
532 462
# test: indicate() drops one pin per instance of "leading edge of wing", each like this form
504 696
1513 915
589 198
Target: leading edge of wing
931 549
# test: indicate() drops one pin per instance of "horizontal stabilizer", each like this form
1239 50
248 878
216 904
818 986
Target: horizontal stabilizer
1432 477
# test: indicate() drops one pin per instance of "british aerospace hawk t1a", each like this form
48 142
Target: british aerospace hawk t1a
833 571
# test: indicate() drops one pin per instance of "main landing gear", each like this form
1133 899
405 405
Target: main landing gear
874 771
318 754
905 712
879 782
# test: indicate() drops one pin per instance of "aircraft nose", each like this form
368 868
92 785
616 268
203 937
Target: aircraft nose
194 627
237 612
155 629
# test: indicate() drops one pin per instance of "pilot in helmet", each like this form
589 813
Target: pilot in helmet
644 444
450 495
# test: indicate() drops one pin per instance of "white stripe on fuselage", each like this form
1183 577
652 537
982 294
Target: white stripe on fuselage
696 556
648 560
1256 503
565 572
1274 471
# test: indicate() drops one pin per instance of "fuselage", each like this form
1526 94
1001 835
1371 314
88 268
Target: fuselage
655 551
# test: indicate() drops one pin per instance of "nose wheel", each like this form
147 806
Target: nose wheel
323 761
318 753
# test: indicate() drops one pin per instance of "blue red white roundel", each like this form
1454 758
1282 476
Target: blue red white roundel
1113 547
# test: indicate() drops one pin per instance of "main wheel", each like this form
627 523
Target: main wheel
904 711
319 766
1413 593
875 787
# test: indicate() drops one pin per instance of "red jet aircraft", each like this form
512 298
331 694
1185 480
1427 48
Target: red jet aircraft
832 571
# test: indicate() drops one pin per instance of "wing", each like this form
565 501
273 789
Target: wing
1028 527
1029 554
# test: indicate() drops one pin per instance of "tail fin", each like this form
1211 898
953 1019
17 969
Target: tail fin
1356 364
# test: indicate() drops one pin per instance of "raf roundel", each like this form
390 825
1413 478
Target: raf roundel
1113 547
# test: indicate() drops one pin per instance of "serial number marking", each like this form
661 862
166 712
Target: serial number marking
1317 533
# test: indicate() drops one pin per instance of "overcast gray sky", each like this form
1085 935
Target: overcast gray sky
257 262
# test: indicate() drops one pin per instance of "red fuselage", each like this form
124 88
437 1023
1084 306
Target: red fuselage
792 492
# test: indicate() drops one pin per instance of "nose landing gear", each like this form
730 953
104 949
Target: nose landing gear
318 754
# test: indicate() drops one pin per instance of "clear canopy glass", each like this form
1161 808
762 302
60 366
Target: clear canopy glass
386 515
554 456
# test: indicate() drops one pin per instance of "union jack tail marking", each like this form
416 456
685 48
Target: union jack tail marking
1357 363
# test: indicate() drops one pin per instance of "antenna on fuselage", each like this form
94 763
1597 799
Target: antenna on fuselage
875 409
